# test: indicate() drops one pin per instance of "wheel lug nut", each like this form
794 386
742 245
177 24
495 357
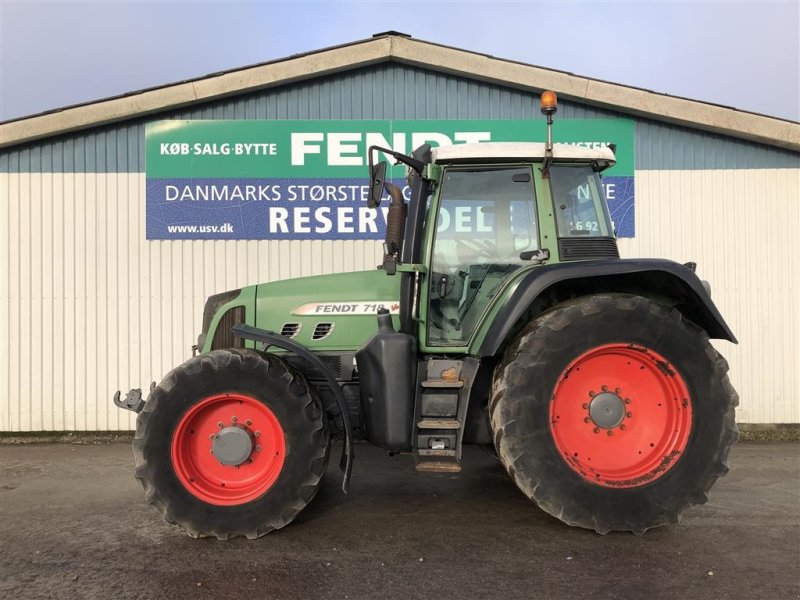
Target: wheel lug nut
234 418
585 405
212 436
610 432
627 400
597 430
605 388
623 427
235 466
258 448
248 422
257 434
586 420
618 391
629 414
220 424
591 393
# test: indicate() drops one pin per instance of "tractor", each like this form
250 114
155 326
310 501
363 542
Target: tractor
501 315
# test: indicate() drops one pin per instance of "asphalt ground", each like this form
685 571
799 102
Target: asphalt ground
74 524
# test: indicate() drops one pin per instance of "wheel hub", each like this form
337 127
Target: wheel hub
232 445
228 449
607 410
620 415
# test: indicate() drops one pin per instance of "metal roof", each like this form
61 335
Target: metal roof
395 47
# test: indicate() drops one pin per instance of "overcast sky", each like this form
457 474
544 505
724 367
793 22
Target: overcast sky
741 54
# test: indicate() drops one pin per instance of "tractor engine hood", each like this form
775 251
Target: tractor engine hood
327 312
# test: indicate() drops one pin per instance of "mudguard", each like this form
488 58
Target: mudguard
270 338
656 277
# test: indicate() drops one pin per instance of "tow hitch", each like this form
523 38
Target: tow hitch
133 399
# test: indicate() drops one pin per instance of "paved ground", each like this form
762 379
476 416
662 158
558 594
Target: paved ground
74 524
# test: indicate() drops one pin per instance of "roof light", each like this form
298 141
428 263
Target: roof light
549 103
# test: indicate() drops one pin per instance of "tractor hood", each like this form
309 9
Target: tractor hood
327 312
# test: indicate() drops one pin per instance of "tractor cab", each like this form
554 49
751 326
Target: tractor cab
489 213
486 226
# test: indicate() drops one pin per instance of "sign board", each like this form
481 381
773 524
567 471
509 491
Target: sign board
307 180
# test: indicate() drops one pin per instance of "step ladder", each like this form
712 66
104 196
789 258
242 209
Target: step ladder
439 416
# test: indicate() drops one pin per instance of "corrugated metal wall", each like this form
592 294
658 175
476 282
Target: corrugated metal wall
388 91
87 305
740 226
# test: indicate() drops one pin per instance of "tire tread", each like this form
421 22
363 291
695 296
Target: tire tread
523 353
269 368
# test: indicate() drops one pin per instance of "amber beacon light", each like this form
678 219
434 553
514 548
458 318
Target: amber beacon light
549 103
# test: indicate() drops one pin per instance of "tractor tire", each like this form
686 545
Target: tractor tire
613 413
231 443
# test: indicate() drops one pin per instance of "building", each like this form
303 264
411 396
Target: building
89 305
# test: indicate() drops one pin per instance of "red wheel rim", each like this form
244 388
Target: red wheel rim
627 449
199 470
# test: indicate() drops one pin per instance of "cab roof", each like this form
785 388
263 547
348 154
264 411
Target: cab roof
602 157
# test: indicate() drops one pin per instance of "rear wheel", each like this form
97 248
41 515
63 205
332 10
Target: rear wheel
613 413
231 443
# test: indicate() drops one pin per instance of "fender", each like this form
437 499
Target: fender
642 276
270 338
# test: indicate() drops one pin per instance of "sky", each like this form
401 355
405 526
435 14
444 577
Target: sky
740 54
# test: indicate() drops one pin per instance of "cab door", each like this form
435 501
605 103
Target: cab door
485 218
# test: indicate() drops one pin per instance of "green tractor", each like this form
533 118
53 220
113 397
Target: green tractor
501 315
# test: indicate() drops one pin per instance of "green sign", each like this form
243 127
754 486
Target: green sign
228 179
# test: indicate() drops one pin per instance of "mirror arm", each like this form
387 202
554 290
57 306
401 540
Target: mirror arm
415 164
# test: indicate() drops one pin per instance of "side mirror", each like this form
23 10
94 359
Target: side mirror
377 178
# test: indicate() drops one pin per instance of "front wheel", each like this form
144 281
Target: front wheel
231 443
613 413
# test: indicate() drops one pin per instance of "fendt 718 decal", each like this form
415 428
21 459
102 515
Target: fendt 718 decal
348 308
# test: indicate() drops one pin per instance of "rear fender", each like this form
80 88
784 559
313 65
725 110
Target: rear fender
663 280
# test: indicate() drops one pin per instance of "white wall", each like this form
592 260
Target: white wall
87 305
742 227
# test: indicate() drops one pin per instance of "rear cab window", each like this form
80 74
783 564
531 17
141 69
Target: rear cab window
579 202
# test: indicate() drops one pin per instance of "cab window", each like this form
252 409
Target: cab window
579 203
486 218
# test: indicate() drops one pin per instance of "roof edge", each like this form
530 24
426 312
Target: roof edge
203 89
401 48
645 103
